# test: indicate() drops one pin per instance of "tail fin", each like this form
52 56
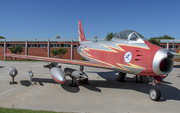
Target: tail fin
81 32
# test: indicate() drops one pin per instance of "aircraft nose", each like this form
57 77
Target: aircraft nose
163 62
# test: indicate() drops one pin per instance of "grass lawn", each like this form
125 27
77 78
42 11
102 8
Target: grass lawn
28 60
10 110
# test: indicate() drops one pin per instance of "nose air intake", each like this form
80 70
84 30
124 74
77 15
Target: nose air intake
163 62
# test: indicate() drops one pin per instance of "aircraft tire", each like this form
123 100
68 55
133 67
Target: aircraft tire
155 94
121 77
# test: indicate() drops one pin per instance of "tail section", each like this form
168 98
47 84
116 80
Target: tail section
81 32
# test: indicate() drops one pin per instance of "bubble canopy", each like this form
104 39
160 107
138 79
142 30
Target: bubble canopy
128 35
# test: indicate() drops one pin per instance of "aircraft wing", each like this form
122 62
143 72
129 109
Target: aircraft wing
65 61
176 56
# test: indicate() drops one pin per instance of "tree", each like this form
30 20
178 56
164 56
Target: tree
16 49
54 52
61 51
13 49
166 37
1 37
156 40
110 36
20 49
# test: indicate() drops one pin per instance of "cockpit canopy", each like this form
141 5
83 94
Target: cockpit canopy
128 35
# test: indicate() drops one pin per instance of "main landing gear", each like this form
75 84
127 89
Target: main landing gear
73 83
121 77
154 93
83 78
86 81
137 80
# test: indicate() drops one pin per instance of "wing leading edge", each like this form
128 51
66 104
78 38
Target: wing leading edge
65 61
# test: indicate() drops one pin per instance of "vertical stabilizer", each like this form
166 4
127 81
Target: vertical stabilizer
81 32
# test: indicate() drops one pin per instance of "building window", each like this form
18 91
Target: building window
42 45
54 45
164 46
32 45
10 45
1 45
65 45
21 44
75 46
175 46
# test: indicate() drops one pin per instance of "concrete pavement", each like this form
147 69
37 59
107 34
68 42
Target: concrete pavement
104 94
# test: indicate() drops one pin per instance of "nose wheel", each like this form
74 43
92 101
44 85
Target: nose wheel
155 94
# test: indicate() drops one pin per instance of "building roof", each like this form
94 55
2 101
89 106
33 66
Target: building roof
70 39
46 40
169 40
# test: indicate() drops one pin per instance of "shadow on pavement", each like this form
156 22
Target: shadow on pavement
1 66
177 66
25 83
168 92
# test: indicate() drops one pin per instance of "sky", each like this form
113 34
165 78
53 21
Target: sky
50 18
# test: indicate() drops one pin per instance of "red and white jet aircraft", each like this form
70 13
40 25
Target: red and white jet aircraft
127 52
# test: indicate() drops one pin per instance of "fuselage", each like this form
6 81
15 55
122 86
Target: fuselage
136 57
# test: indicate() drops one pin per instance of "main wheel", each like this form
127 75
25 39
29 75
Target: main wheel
121 77
155 94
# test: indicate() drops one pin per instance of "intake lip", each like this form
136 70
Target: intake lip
163 62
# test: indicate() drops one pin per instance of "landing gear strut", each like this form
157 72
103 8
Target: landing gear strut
81 68
86 81
154 93
73 83
138 80
121 77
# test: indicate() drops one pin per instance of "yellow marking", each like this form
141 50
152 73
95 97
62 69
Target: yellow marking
87 49
131 66
110 47
111 64
136 66
84 54
122 67
101 50
133 46
99 61
114 49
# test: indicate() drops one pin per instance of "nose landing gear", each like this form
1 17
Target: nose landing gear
155 93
